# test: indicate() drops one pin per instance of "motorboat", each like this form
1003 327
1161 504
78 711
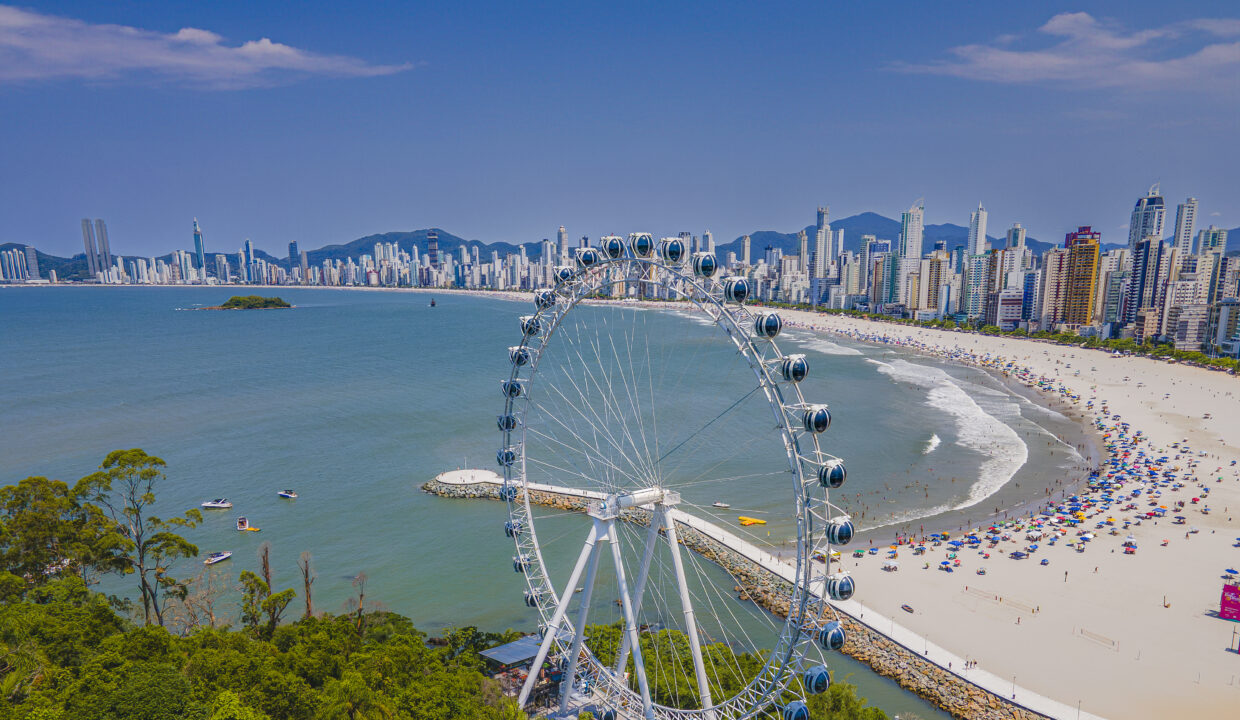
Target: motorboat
287 494
721 504
218 504
243 525
432 302
907 608
216 557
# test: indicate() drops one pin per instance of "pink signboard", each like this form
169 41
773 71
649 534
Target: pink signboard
1229 605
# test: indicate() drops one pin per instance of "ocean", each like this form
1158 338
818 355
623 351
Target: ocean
355 398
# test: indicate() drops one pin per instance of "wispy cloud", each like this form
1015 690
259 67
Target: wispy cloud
1090 53
34 46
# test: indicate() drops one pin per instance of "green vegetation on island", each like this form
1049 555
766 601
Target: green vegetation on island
251 302
210 648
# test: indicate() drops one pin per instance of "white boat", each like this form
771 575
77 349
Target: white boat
218 504
216 557
287 494
721 504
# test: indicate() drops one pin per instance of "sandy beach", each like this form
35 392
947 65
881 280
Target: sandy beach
1127 635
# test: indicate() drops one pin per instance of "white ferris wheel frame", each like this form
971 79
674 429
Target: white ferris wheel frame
809 607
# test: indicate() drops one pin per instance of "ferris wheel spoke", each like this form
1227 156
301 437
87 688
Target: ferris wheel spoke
595 456
691 629
609 403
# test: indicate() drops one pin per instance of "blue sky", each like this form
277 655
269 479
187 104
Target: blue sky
323 122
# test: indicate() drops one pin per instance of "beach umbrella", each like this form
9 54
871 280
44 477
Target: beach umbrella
1230 571
945 563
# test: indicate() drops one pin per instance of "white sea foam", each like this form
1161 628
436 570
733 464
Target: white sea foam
977 429
826 347
932 444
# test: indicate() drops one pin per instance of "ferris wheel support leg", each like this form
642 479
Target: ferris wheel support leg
695 646
630 623
651 540
580 629
553 628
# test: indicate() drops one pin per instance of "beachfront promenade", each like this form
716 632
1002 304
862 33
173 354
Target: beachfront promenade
916 644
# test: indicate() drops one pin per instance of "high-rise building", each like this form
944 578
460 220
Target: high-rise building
221 268
432 249
105 250
294 256
823 254
1016 236
977 231
1147 220
1185 220
911 231
32 263
200 249
1145 285
562 237
745 243
1054 287
708 240
1081 283
88 240
1212 239
802 251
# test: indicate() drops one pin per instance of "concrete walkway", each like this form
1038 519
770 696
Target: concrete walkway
885 626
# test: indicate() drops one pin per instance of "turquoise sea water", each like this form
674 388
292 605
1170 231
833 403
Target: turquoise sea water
355 398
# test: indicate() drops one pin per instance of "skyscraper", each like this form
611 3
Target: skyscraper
822 244
1015 236
32 263
977 231
911 229
1185 220
200 250
745 241
294 257
1145 281
562 236
104 259
1212 239
709 241
1147 218
432 248
802 251
88 240
249 251
1081 283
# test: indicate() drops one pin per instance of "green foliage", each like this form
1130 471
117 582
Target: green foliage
840 702
46 530
125 488
253 302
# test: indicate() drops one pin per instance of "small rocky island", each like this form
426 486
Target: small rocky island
251 302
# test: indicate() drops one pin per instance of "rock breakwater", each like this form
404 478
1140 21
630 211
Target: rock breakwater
759 585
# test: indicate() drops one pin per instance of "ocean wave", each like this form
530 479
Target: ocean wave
826 347
977 429
932 444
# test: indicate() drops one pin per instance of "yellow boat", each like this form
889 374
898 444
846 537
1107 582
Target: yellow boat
750 521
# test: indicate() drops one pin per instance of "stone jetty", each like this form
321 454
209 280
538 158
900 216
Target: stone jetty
758 584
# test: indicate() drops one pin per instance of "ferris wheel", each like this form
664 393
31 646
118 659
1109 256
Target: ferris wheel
653 431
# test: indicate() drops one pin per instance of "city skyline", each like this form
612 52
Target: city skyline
666 129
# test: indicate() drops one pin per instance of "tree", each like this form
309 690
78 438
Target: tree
350 697
47 529
125 487
307 579
258 600
228 706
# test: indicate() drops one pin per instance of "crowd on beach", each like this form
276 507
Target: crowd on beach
1136 485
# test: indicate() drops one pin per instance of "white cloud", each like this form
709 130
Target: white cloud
34 47
1202 53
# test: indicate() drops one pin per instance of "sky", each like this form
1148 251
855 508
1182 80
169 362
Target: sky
324 122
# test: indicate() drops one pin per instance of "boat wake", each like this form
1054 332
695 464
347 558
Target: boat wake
932 444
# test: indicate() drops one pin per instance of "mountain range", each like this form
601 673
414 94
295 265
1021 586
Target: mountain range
854 226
